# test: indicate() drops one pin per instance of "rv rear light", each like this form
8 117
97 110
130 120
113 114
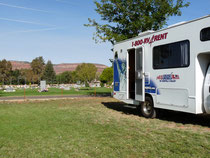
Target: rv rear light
114 93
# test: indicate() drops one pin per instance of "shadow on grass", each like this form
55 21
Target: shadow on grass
166 115
121 107
86 89
100 94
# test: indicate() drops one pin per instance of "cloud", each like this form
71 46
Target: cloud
6 34
26 22
25 8
34 30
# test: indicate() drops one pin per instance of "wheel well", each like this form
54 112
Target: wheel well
149 95
147 108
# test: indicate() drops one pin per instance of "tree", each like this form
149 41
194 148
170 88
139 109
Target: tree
49 73
65 77
37 66
98 74
5 71
107 75
27 76
128 18
86 72
74 77
16 75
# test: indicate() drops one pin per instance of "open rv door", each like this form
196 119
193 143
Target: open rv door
139 75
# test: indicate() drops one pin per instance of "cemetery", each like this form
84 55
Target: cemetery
56 89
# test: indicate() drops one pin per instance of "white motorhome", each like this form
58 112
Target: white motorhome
166 69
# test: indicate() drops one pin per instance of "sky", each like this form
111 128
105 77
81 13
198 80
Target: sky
55 30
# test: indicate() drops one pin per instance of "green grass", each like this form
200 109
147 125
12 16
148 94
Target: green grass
56 91
97 127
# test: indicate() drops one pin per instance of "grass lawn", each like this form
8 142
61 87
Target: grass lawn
98 127
56 91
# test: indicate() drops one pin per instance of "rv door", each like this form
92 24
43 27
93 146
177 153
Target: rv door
139 75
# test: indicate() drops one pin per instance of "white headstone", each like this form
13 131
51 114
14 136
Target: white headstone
43 86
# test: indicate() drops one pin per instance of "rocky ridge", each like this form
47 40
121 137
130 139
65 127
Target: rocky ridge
59 68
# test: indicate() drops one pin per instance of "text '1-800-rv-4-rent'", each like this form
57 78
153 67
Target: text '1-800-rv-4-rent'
166 69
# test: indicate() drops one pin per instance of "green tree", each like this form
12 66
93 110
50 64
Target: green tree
27 76
49 73
74 77
37 66
107 75
98 74
86 72
58 79
16 75
65 77
127 18
5 71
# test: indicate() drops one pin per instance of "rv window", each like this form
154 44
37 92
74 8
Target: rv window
171 55
205 34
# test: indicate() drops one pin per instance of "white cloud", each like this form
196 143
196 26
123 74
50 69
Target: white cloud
34 30
26 22
21 7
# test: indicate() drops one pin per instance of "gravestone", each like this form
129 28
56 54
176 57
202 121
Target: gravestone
42 86
66 88
9 89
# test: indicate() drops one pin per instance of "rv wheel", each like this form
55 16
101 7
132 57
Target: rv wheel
147 108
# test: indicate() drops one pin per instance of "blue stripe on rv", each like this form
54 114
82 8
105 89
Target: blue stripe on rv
150 87
116 78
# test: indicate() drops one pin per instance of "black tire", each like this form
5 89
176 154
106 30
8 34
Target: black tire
147 108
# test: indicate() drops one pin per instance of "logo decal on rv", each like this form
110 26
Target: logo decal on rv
168 77
150 40
119 75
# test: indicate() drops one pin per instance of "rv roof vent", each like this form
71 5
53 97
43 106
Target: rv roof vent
146 33
179 23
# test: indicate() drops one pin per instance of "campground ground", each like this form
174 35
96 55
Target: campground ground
98 127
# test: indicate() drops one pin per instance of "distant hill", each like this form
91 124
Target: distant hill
59 68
